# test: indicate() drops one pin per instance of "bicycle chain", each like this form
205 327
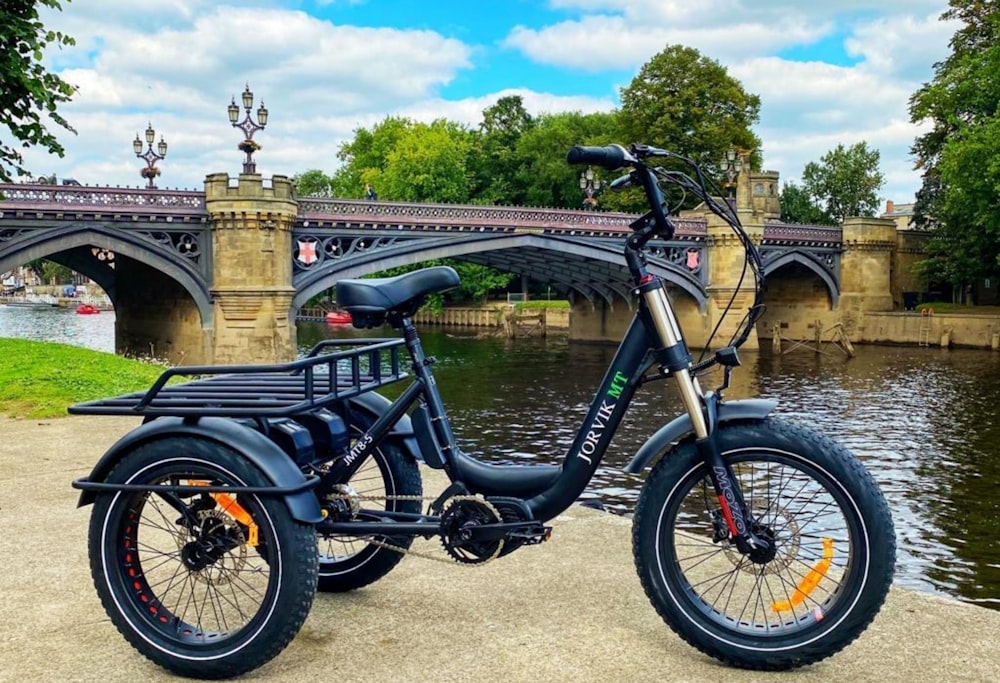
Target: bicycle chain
417 553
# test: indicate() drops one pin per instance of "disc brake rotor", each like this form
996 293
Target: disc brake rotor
787 541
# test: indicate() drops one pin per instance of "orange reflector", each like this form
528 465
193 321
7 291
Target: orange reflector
808 584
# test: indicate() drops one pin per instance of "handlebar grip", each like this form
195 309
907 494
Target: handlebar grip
610 157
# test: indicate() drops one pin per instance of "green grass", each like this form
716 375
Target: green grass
39 379
948 307
534 305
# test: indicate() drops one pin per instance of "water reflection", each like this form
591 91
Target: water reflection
61 325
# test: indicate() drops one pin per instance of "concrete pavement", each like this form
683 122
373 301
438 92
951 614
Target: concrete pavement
569 610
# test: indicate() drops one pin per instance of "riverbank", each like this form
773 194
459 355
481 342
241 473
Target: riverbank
925 327
569 610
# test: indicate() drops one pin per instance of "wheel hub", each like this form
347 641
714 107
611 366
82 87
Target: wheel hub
213 540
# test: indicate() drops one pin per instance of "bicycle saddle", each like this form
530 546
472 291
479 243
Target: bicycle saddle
370 301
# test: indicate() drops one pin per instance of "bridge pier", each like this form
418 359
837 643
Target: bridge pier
252 268
155 317
866 271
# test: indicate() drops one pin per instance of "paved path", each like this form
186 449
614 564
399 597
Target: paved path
569 610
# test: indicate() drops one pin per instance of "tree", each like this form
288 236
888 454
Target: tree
366 156
845 182
28 93
313 183
493 159
541 152
798 207
428 164
689 104
960 154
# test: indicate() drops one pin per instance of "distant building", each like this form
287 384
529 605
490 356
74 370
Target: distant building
902 214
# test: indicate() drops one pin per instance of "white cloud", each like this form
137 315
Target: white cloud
612 42
176 63
807 107
320 81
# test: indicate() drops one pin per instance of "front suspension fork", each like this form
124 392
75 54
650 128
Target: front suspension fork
734 508
703 411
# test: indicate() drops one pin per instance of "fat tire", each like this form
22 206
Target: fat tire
286 553
868 575
399 475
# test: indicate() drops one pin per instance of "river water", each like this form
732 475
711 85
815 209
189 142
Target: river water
924 421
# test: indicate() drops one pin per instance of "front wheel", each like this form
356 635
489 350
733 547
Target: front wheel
205 584
833 547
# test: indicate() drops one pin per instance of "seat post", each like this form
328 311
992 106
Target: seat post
422 369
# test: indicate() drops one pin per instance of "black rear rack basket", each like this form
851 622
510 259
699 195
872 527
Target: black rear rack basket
329 373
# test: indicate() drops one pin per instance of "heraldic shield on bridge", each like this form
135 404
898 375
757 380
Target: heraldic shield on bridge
218 276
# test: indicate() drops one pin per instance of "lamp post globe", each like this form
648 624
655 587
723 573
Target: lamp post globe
248 126
150 156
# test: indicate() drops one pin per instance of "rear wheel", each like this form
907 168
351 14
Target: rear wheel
821 582
207 585
350 562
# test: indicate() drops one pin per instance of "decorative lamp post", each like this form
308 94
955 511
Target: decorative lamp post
589 185
151 157
248 127
730 165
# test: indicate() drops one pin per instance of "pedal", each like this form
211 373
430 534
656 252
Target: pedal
531 536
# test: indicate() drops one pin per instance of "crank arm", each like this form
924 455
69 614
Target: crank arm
504 530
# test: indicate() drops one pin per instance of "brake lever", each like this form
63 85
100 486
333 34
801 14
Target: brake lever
622 183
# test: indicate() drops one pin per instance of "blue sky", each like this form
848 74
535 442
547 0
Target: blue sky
827 73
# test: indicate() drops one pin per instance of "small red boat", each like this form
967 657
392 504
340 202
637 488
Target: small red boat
338 318
87 309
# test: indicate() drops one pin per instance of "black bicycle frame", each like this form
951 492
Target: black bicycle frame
653 337
638 351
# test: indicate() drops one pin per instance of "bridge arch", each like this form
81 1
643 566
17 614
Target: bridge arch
591 269
810 263
73 236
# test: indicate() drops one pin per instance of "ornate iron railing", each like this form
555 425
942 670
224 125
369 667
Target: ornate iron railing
315 212
775 231
50 198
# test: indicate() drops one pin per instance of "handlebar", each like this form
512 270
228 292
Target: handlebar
656 222
610 157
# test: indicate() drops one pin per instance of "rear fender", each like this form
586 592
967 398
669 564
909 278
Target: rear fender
277 467
373 404
680 427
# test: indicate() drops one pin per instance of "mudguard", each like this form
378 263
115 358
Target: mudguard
678 428
279 469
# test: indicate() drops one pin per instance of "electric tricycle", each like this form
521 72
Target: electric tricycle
248 488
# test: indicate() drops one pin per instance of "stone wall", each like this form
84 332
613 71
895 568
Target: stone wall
155 317
976 331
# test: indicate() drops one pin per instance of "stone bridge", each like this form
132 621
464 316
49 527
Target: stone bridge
219 275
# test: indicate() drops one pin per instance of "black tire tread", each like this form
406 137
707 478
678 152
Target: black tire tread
875 511
295 601
406 473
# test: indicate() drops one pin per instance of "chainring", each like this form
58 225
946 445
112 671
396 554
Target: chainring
460 515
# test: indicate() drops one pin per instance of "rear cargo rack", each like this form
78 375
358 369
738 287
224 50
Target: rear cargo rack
323 377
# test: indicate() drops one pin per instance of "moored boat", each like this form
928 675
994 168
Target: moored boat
87 309
338 318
